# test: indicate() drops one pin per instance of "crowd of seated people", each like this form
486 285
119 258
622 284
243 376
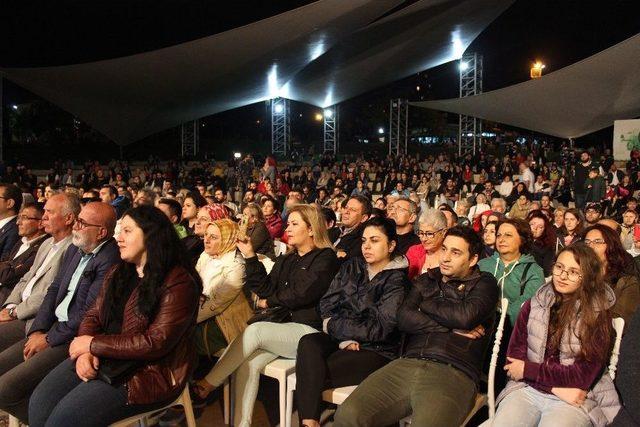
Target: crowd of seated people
121 287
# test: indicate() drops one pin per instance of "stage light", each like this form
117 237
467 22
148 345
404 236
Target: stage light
237 155
536 70
381 131
318 117
15 107
464 66
279 108
328 113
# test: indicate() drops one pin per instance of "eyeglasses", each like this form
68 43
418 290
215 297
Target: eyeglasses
572 275
429 234
81 224
397 208
596 242
25 217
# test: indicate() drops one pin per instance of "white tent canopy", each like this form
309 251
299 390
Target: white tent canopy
322 54
574 101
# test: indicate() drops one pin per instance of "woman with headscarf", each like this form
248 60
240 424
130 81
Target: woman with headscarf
224 310
206 215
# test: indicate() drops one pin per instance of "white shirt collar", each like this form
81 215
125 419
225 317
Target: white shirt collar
5 221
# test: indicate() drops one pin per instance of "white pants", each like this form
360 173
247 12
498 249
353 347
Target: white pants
528 407
251 351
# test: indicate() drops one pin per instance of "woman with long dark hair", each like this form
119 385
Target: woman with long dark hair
134 351
571 229
543 247
617 268
559 348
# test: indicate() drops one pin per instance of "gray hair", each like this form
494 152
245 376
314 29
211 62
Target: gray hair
434 218
71 204
500 200
413 207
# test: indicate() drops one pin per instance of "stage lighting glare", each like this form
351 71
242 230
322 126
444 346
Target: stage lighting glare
237 155
279 108
464 65
318 117
328 113
380 131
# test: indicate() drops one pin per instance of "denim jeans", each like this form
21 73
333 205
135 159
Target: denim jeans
434 394
528 407
62 399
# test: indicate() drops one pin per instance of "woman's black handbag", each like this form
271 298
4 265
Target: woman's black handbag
116 372
276 314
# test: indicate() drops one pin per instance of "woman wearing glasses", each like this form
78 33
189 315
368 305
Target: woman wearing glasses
617 266
425 256
559 349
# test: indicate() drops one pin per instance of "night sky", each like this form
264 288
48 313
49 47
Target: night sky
558 32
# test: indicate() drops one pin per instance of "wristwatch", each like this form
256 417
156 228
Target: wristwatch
12 313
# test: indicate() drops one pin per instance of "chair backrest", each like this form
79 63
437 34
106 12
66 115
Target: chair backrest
504 303
618 326
280 248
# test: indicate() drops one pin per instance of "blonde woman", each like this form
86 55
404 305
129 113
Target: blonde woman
289 294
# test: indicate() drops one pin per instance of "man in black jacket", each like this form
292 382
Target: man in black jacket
447 318
354 215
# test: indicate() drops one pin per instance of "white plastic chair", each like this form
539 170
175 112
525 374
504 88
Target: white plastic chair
280 369
334 395
184 399
489 398
618 326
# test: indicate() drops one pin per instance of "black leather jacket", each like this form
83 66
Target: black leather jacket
366 310
433 309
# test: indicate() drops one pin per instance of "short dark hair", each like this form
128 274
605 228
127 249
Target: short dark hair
387 226
470 236
366 203
524 231
174 207
273 201
329 215
112 189
38 207
197 198
12 192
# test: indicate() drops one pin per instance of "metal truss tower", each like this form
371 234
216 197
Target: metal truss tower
280 126
331 129
190 138
470 128
398 126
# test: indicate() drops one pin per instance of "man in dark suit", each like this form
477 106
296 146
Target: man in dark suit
76 286
21 257
10 203
354 215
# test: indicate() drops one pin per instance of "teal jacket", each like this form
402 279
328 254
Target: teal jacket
516 288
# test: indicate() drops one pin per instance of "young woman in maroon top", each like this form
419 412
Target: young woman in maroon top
546 390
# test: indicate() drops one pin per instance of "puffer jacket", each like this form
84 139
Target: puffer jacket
295 282
362 310
518 280
602 403
164 343
433 309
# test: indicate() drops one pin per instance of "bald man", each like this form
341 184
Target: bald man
91 255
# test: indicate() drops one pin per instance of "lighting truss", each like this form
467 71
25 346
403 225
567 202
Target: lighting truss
190 138
470 128
280 126
331 129
398 126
